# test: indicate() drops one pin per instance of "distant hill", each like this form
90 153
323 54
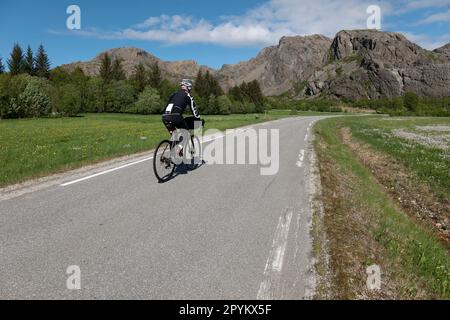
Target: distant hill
355 64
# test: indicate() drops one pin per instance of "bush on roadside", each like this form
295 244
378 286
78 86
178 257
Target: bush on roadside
149 102
69 100
119 95
35 100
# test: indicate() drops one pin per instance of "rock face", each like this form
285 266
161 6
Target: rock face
374 64
355 64
277 68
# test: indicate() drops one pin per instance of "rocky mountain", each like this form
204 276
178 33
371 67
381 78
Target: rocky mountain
355 64
131 57
373 64
278 68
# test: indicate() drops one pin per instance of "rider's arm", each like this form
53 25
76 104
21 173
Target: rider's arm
194 108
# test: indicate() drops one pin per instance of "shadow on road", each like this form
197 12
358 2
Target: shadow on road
183 169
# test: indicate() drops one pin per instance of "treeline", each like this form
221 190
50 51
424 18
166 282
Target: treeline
31 89
245 98
410 104
295 105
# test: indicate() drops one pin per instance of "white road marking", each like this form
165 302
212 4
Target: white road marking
146 159
301 157
274 264
105 172
129 164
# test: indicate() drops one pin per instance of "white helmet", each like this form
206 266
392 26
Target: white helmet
187 83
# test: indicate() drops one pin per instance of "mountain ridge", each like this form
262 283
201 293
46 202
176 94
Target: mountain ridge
354 64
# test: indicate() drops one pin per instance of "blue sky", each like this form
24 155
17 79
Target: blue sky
210 32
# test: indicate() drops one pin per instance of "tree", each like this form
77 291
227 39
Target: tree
2 67
139 78
212 105
42 63
212 85
29 62
80 81
70 100
4 95
411 101
154 75
166 89
95 95
255 95
236 93
117 72
224 104
200 85
119 96
105 68
148 102
16 62
206 85
59 76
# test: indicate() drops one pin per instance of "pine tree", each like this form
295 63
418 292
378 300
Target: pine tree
106 68
200 87
117 72
29 62
42 63
16 62
139 78
236 93
2 67
154 77
213 85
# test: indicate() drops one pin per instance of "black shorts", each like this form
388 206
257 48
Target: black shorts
176 121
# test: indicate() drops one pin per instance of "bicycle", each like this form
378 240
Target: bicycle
167 155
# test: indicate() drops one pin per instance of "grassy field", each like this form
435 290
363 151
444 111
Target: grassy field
431 164
365 224
32 148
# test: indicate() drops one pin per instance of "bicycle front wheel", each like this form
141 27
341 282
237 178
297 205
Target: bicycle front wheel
163 165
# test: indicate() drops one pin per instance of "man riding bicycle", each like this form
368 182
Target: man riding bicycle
178 102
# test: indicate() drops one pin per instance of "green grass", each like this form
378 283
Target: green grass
428 164
415 254
32 148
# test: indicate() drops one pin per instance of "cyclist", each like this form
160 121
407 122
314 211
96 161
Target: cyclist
178 102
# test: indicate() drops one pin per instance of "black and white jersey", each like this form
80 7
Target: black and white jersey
178 103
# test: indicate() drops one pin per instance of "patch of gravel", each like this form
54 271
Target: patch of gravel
437 128
431 141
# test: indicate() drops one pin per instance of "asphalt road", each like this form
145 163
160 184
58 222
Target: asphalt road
218 232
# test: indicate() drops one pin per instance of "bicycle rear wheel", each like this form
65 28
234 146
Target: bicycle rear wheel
163 165
193 154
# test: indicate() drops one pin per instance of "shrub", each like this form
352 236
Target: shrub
224 104
94 96
119 95
34 101
148 102
411 101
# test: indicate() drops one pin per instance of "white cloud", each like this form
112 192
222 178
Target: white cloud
427 41
438 17
422 4
265 24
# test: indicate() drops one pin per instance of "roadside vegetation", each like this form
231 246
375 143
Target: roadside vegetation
31 89
386 202
409 104
32 148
